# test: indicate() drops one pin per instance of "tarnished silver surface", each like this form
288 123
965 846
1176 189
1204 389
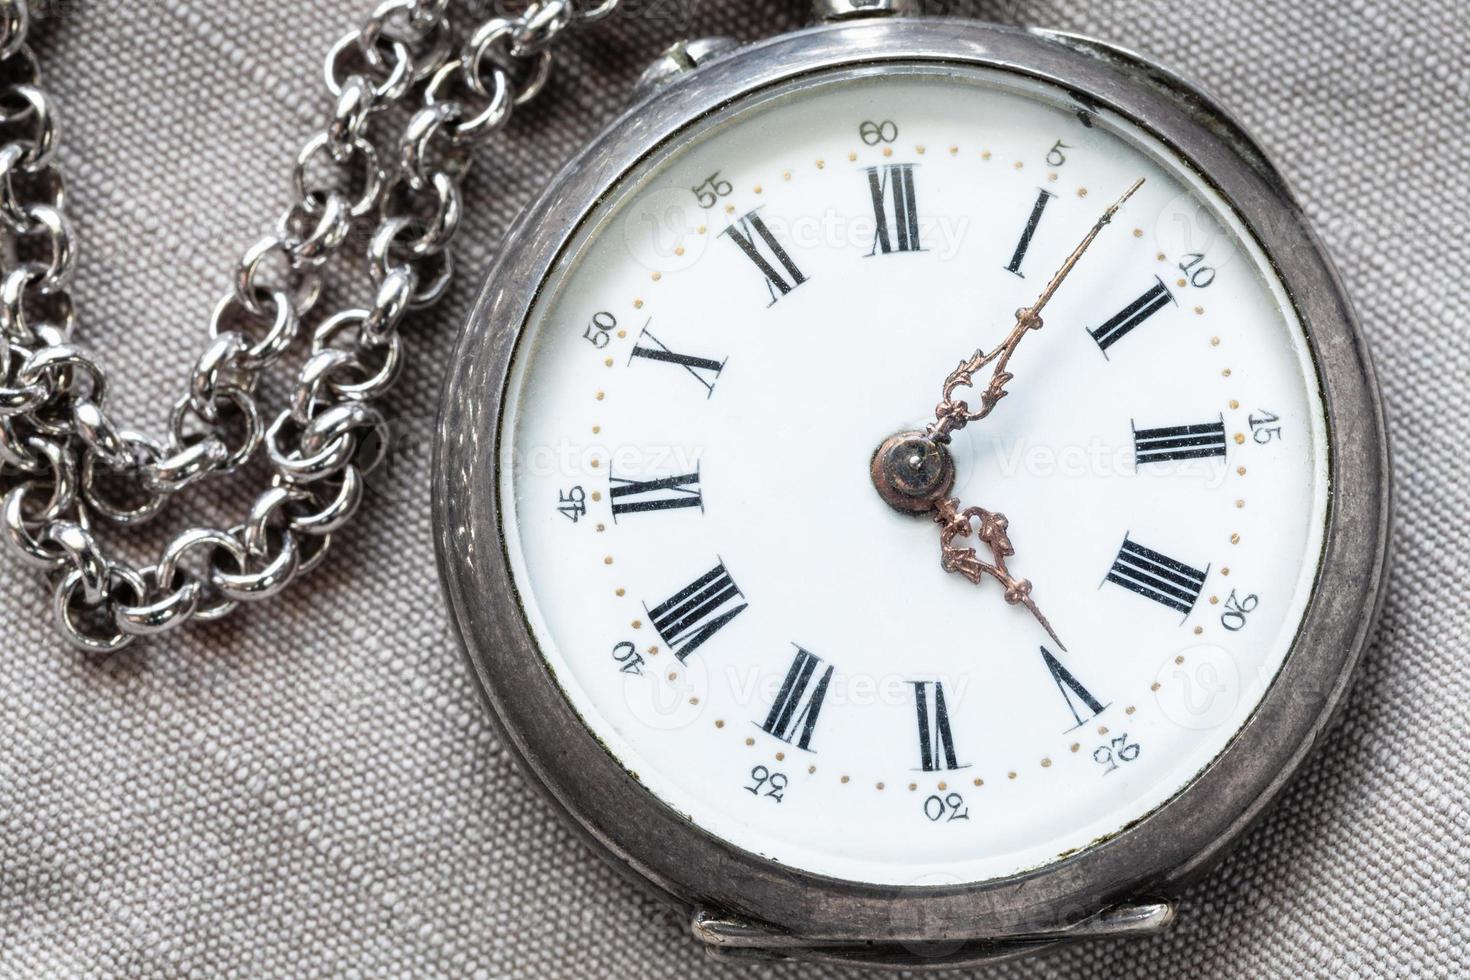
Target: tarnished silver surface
67 466
736 899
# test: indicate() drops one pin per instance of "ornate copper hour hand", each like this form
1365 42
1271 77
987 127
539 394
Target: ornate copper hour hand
954 414
992 532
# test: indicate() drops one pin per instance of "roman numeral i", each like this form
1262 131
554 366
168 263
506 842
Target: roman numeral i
762 248
793 715
892 189
688 618
1043 197
1158 577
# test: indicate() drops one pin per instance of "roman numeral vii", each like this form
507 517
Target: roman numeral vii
793 715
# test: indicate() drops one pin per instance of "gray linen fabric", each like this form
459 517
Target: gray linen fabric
312 790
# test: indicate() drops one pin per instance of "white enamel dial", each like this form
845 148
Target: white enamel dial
774 652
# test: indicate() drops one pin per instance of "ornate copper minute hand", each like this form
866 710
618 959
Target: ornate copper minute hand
952 415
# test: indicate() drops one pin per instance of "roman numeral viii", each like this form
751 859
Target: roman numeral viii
1043 197
759 245
936 740
1125 320
698 611
1173 442
705 370
892 190
1158 577
1077 697
793 716
668 493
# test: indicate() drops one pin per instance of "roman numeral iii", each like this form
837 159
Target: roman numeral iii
705 370
936 740
641 496
1079 700
793 716
1122 323
759 245
1176 442
1157 576
1043 197
698 611
892 189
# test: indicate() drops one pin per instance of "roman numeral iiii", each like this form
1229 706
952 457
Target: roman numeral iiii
936 740
1158 577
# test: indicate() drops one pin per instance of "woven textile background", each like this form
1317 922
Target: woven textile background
312 790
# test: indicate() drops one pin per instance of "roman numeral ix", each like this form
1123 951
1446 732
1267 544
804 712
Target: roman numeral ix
667 493
892 190
936 741
1158 577
702 369
769 256
1155 299
1043 197
698 611
793 716
1176 442
1073 693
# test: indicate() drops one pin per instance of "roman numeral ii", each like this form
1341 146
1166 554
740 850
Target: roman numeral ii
1157 576
793 716
892 190
759 245
1125 320
698 611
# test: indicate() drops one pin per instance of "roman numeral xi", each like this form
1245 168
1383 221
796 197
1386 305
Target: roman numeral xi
761 247
1200 441
793 715
1157 576
688 618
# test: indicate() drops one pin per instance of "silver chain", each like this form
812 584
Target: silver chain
66 465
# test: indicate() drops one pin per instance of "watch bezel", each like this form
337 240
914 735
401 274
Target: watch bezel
700 871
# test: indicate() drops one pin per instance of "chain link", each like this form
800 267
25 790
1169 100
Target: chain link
66 466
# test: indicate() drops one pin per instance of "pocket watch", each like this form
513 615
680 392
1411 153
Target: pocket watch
913 490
